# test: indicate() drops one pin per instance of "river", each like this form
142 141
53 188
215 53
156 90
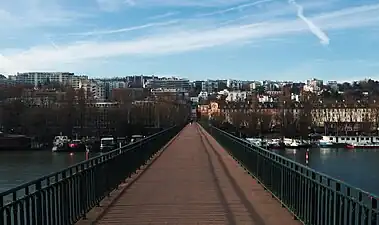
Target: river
356 167
18 167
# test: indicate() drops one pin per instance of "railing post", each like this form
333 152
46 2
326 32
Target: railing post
373 219
83 204
1 210
39 202
281 181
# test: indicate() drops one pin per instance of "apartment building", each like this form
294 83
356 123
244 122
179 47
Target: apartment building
340 113
36 78
168 83
209 86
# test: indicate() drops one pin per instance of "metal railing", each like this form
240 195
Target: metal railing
64 197
313 198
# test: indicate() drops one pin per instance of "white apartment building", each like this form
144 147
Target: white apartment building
117 84
265 98
203 95
95 89
169 83
77 81
234 84
236 96
209 86
36 78
322 115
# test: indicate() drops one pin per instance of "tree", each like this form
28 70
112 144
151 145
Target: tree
264 122
68 116
289 125
81 109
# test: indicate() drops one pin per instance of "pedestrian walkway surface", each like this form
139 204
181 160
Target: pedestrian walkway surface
194 181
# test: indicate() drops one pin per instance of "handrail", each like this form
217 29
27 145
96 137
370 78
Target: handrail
65 196
313 197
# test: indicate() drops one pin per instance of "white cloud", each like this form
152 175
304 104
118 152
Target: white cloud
188 3
126 29
48 57
238 7
162 16
18 14
111 5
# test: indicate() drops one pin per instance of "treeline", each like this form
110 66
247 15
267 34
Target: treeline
255 124
74 114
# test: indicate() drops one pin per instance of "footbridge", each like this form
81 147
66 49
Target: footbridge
193 174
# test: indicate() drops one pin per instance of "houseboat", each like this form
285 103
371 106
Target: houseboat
349 142
14 142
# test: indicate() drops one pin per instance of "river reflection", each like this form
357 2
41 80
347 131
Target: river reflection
357 167
18 167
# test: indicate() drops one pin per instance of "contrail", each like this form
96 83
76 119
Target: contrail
51 42
324 39
239 7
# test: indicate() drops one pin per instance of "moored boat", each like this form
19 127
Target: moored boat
14 142
349 142
60 143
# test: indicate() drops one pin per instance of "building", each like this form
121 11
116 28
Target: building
234 84
343 114
168 83
209 86
236 96
38 78
170 94
4 81
93 89
77 81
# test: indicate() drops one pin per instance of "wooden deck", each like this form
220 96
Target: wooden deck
194 181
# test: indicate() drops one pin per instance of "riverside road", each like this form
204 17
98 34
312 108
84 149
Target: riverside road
356 167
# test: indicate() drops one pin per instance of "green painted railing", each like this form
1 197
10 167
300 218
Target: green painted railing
313 198
66 196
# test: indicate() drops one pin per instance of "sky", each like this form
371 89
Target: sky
195 39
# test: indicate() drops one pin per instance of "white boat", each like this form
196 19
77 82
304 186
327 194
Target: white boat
296 143
107 144
60 143
258 142
364 145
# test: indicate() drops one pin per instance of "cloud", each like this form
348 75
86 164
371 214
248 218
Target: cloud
125 29
130 2
20 14
182 40
188 3
324 39
111 5
238 7
163 16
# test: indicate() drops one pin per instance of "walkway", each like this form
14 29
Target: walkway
194 181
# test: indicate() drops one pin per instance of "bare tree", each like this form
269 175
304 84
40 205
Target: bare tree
264 122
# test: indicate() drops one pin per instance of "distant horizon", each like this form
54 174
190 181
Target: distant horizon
205 79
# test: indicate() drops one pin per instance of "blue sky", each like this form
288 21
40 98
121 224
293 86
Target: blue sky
197 39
